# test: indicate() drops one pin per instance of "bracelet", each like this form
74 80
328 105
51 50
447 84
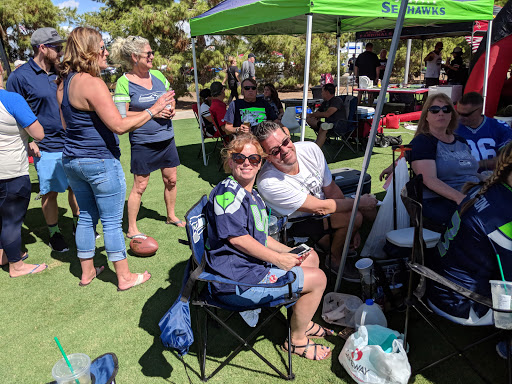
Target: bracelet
150 113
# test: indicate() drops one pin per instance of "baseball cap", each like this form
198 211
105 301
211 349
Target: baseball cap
252 55
46 35
457 50
216 88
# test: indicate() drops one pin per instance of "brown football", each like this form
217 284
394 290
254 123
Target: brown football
144 246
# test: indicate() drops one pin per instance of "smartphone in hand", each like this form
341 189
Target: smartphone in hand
302 251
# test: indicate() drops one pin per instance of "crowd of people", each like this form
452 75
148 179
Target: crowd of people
58 99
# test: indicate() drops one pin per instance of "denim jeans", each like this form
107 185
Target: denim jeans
100 189
14 199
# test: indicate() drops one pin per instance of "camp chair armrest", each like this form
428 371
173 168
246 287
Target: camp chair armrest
286 279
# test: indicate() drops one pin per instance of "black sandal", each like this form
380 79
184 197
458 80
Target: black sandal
306 347
320 333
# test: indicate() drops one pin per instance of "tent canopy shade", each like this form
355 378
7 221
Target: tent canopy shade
288 17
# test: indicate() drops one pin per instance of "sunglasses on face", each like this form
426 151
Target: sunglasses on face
469 113
239 158
250 87
435 109
150 53
103 48
57 48
276 150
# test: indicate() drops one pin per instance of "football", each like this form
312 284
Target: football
144 246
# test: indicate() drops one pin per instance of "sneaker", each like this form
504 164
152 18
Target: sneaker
58 244
501 348
326 126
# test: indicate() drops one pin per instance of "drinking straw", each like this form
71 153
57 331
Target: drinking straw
66 358
502 275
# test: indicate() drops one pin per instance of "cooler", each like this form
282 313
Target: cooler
348 178
454 92
365 112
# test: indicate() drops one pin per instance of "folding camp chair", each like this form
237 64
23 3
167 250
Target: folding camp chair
206 302
409 196
210 131
344 129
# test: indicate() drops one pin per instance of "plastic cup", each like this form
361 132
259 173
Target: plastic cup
81 364
273 229
364 266
501 299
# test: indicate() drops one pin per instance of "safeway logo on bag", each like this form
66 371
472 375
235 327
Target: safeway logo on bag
356 367
358 354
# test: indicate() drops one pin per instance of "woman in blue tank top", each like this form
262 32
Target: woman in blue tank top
91 152
152 146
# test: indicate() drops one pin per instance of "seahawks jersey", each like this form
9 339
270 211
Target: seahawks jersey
231 212
486 140
467 254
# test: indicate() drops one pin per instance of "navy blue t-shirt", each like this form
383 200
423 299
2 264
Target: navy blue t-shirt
39 89
467 253
231 212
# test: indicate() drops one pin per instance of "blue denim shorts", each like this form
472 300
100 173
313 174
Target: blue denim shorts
257 295
50 172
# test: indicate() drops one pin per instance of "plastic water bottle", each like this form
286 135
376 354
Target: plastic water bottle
370 314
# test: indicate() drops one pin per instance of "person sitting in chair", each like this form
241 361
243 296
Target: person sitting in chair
467 255
332 110
241 249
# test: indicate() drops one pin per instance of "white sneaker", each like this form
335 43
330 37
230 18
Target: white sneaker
326 126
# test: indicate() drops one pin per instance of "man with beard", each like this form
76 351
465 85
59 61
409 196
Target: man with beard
35 81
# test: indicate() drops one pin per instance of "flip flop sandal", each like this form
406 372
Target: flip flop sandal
98 272
306 348
139 281
175 223
320 333
137 236
32 271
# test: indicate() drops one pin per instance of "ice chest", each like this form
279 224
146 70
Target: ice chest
348 178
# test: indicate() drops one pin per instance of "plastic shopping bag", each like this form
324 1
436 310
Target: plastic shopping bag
384 221
364 358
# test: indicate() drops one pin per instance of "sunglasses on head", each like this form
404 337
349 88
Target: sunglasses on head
276 150
239 158
435 109
57 48
469 113
251 87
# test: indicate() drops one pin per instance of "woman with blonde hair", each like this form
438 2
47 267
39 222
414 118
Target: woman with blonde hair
232 78
152 145
241 249
443 158
91 152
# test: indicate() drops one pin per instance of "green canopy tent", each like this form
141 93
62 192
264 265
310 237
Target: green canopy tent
277 17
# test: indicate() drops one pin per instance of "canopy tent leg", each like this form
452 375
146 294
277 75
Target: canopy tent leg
407 61
338 37
487 58
371 139
197 98
306 75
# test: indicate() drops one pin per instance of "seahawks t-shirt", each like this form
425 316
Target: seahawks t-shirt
487 139
231 212
467 253
240 111
140 98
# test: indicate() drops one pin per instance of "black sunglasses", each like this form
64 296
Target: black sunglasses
57 48
251 87
276 150
239 158
435 109
150 53
469 113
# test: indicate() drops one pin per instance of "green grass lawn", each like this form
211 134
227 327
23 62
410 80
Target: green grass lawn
98 319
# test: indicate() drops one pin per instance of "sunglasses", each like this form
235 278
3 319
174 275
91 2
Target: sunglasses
57 48
435 109
239 158
469 113
251 87
276 150
150 53
103 48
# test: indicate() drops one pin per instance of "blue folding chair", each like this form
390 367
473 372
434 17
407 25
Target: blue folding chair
204 301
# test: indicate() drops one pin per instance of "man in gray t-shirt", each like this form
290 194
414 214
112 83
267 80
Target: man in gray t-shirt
248 70
332 110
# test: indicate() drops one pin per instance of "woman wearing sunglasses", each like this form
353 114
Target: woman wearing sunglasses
240 249
152 145
444 160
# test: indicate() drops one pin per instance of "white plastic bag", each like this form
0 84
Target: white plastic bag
339 308
369 363
384 221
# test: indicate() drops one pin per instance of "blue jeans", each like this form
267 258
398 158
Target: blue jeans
14 199
100 189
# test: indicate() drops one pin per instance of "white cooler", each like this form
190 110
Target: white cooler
452 91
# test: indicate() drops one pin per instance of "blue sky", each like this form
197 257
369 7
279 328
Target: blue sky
81 5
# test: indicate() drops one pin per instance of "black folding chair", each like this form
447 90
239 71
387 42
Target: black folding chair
209 304
343 130
410 195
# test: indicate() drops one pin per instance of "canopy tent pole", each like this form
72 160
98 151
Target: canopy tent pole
194 63
371 139
339 61
306 75
407 61
487 58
